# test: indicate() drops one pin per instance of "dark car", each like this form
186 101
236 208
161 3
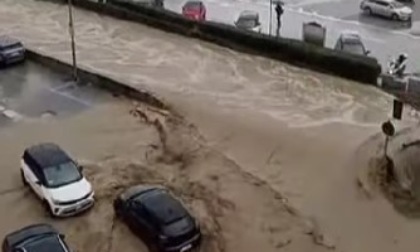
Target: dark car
35 238
194 10
11 51
249 20
351 42
158 218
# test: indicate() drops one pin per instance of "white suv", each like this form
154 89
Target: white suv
387 8
56 179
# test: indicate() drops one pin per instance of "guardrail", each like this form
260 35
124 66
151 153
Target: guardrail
359 68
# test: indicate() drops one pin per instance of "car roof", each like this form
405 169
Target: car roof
7 41
29 232
193 2
47 154
248 14
139 189
162 206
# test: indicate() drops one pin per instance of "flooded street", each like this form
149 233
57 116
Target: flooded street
296 133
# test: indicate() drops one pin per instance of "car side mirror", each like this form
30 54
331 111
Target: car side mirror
367 52
81 168
38 182
62 236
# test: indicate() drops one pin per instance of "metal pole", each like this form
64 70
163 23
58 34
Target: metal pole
386 146
73 46
271 16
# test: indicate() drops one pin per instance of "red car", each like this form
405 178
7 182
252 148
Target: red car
194 10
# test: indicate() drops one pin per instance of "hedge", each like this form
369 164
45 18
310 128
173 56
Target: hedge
355 67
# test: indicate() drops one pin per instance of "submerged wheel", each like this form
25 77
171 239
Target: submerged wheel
22 177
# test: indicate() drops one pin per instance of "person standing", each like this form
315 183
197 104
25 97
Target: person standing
279 13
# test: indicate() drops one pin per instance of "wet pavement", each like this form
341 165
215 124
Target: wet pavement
31 91
297 130
381 36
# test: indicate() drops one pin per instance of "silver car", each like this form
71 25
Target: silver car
351 42
249 20
387 8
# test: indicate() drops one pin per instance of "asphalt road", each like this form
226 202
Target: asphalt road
384 38
30 91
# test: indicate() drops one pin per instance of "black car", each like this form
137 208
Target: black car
158 218
11 51
35 238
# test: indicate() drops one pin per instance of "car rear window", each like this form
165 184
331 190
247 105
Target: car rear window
44 244
164 207
193 5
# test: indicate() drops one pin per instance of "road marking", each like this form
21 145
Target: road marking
71 97
69 84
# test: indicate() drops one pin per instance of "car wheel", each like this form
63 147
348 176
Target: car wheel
394 17
22 176
47 208
368 10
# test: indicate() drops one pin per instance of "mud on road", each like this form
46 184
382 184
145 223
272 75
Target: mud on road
118 149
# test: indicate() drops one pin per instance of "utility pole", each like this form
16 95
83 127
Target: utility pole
271 16
73 46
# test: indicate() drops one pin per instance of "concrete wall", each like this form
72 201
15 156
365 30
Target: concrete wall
100 81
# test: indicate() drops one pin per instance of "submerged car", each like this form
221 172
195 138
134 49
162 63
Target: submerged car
387 8
35 238
11 51
249 20
351 42
194 10
56 179
158 218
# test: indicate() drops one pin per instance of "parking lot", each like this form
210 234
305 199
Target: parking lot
30 91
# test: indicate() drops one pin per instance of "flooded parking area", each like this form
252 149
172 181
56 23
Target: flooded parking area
31 91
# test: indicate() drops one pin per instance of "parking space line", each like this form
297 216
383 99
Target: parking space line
71 97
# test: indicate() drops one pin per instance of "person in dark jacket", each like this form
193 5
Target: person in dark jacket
279 12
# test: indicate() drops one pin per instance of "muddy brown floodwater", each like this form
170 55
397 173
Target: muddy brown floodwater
283 145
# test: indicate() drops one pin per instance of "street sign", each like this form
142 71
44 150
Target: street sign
397 109
388 128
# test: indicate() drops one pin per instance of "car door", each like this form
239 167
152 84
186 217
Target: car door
32 175
383 8
139 222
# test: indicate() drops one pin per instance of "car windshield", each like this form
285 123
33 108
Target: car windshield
63 174
12 46
164 208
44 244
247 22
355 48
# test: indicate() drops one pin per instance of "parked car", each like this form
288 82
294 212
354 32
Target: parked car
150 3
249 20
194 10
35 238
387 8
351 42
158 218
56 179
11 51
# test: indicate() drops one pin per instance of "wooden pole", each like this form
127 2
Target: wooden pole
73 45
